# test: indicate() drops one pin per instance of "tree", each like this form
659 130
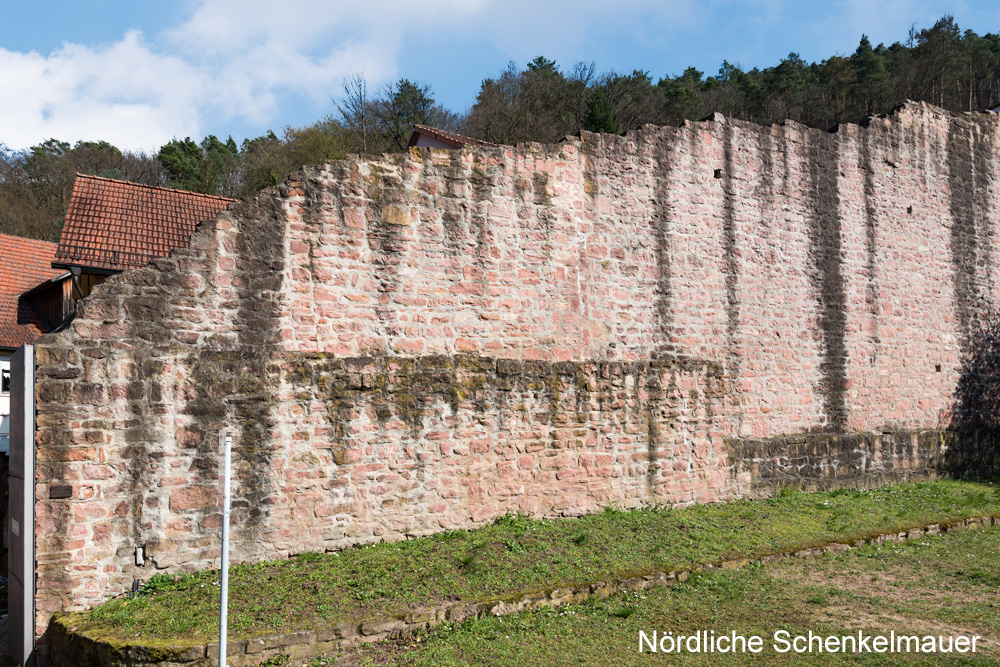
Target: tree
384 121
600 115
499 112
838 86
634 99
182 160
264 163
544 96
873 90
543 66
983 59
326 139
36 184
536 104
217 171
789 84
26 209
211 167
942 62
355 108
577 94
683 95
400 106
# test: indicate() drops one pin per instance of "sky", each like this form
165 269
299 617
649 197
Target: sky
138 74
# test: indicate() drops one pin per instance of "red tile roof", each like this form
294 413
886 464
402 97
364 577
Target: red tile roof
120 225
24 264
450 138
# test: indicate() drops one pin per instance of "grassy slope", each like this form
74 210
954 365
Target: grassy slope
941 585
517 554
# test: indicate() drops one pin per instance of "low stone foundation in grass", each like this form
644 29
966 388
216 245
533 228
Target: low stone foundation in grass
71 649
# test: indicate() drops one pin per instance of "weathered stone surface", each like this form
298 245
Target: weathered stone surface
405 344
233 648
381 626
192 497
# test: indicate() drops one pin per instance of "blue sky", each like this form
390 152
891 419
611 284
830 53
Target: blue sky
139 73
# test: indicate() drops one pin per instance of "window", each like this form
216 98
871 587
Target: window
5 381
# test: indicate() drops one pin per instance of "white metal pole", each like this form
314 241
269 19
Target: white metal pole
226 441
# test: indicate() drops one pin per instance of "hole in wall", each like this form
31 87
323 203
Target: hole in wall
909 209
937 368
718 173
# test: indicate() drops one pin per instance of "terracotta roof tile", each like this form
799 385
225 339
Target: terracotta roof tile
24 264
119 225
451 138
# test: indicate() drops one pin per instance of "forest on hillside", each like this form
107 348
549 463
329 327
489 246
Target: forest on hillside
544 102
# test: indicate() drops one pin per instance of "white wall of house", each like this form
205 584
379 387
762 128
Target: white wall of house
5 403
425 140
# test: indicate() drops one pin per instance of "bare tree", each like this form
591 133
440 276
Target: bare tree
142 167
578 84
499 113
356 108
635 100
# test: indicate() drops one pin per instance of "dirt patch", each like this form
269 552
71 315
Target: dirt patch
853 618
903 584
907 598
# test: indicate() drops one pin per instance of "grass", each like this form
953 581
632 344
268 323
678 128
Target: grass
941 585
517 554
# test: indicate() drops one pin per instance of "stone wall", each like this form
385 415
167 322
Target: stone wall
411 343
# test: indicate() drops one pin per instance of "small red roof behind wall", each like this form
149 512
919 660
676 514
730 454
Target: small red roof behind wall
445 137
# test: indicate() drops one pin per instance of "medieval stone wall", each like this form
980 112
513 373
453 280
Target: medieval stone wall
411 343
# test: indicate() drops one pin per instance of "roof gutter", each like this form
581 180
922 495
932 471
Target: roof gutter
89 269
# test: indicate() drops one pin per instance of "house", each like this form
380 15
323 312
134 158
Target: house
114 225
110 226
34 299
424 135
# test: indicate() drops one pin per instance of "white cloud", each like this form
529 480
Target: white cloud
229 60
124 93
257 47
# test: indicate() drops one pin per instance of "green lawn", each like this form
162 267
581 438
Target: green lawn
516 554
941 585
